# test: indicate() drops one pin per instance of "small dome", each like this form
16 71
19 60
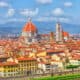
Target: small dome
65 34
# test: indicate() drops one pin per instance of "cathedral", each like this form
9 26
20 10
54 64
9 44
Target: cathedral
30 32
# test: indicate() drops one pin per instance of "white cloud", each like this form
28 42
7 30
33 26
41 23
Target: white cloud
4 4
28 12
3 21
10 12
47 19
44 1
57 12
44 19
62 19
16 20
68 4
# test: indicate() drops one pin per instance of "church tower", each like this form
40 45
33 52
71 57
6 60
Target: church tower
59 37
29 32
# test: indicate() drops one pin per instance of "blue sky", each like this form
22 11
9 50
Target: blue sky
40 10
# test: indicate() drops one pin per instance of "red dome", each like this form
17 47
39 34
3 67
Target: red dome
65 34
29 27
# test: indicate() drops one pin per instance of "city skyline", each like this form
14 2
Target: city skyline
39 39
40 10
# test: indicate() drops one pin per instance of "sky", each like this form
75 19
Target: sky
67 11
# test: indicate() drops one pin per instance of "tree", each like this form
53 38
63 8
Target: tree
72 67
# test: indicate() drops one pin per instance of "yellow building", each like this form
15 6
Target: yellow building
8 69
41 54
27 66
24 66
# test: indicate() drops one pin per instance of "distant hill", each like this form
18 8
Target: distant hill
43 27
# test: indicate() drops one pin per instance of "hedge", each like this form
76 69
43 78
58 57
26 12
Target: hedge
65 77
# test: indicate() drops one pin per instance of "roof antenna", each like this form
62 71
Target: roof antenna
29 19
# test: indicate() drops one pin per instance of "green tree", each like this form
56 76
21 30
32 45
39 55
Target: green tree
72 67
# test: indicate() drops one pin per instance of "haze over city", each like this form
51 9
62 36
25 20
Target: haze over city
39 40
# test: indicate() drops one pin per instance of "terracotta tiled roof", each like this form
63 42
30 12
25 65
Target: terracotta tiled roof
8 63
51 50
76 56
29 27
65 34
25 59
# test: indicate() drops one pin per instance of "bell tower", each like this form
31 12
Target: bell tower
58 32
